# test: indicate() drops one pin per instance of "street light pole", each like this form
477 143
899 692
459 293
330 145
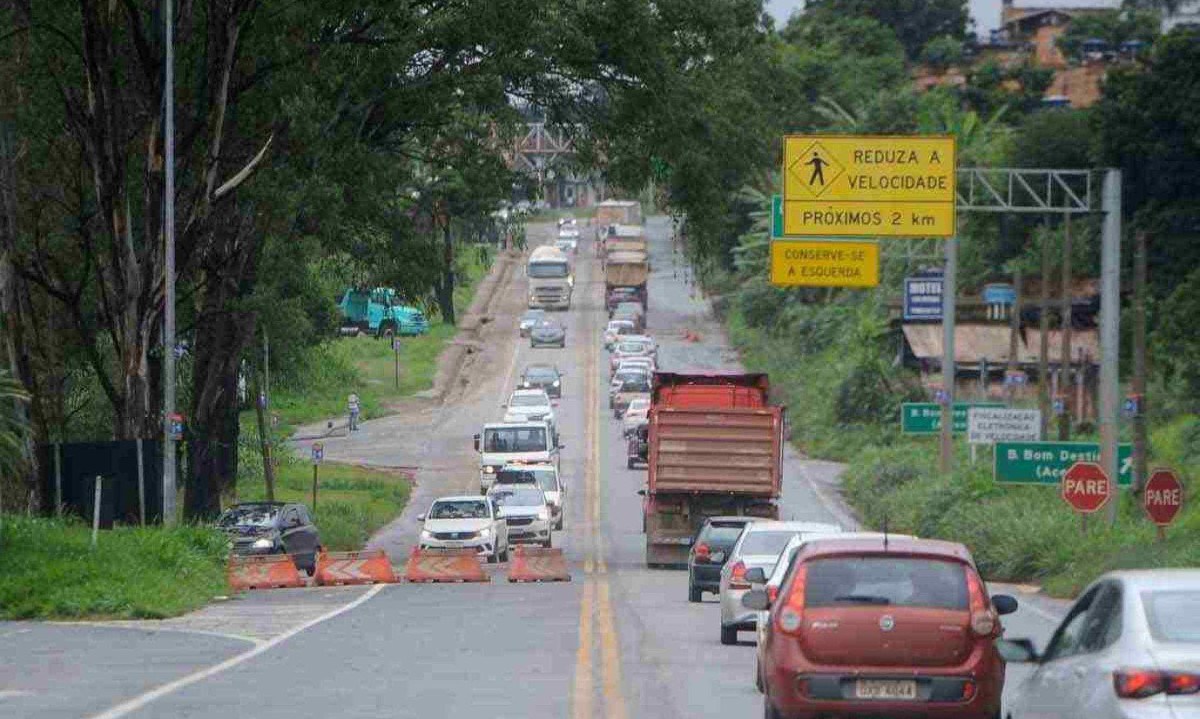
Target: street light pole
168 485
1110 333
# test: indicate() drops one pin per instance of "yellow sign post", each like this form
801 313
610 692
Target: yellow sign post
832 263
851 186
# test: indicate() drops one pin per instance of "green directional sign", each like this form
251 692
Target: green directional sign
926 417
776 216
1046 462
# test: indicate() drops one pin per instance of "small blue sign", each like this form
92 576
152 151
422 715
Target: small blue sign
1132 406
923 297
941 396
1060 406
999 294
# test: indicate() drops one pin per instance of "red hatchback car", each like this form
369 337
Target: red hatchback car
875 627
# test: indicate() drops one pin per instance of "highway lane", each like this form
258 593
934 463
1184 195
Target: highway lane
618 641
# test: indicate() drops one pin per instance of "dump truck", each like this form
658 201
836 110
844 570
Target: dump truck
379 312
715 449
627 270
618 212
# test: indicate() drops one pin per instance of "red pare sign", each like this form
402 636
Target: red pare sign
1162 497
1085 487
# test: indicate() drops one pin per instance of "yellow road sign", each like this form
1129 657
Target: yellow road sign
832 263
851 185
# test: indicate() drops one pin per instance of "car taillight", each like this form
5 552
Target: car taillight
791 615
702 552
983 620
1142 683
737 576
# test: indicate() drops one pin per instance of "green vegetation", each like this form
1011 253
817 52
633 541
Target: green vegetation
50 570
352 502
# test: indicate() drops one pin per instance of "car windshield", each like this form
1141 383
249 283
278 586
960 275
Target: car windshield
628 374
252 515
771 543
519 497
890 581
721 536
459 509
541 374
619 326
549 269
1174 616
515 439
638 384
543 478
533 315
547 325
631 348
527 400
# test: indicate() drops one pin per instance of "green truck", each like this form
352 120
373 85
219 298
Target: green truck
379 312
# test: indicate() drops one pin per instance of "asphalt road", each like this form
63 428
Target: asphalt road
618 641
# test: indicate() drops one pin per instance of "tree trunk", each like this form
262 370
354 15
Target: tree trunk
445 289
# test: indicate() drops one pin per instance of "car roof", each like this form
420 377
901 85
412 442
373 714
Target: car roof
530 465
898 545
264 503
459 498
541 366
733 519
788 526
1155 579
638 338
529 392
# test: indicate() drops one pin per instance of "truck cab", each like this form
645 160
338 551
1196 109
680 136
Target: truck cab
500 444
379 312
550 278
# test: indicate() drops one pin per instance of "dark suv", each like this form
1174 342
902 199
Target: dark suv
879 626
710 548
273 528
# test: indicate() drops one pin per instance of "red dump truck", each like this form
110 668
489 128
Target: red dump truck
715 449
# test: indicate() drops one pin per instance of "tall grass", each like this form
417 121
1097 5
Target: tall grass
48 570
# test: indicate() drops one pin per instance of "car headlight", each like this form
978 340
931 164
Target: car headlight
555 383
263 543
525 385
488 469
426 534
543 513
485 532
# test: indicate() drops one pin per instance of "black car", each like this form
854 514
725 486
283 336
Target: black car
710 549
273 528
548 333
543 376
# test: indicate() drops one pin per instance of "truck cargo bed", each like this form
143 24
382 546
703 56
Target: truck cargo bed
710 450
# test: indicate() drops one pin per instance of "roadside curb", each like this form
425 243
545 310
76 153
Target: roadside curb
452 358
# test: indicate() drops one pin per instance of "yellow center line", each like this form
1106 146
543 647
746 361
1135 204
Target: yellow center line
583 692
610 657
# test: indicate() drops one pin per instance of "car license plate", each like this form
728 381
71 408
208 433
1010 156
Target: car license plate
451 543
885 689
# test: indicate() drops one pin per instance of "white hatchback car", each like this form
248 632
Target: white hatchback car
465 523
616 329
636 414
760 546
525 512
530 405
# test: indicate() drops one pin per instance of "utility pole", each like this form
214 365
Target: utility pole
1044 332
1141 448
168 478
1064 420
949 295
1014 337
1110 337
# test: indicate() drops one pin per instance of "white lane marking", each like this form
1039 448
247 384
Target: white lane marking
134 626
132 705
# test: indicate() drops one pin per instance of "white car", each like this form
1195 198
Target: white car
530 405
643 363
545 477
465 523
759 546
636 414
1129 648
525 512
615 329
566 245
626 349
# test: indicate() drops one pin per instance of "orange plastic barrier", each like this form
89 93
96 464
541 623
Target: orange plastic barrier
444 565
371 567
536 564
269 571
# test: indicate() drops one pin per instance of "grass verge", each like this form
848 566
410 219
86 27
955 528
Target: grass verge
50 570
352 502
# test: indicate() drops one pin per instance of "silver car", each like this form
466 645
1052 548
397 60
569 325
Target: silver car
1129 648
465 523
526 513
759 547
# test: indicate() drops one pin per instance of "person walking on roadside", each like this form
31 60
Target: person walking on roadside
352 401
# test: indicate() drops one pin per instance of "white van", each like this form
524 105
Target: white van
515 442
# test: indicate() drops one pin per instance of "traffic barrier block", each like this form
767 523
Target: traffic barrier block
537 564
444 565
370 567
271 571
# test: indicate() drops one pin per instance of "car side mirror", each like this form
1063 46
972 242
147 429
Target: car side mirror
756 599
562 446
642 492
1020 651
756 575
1004 604
420 517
